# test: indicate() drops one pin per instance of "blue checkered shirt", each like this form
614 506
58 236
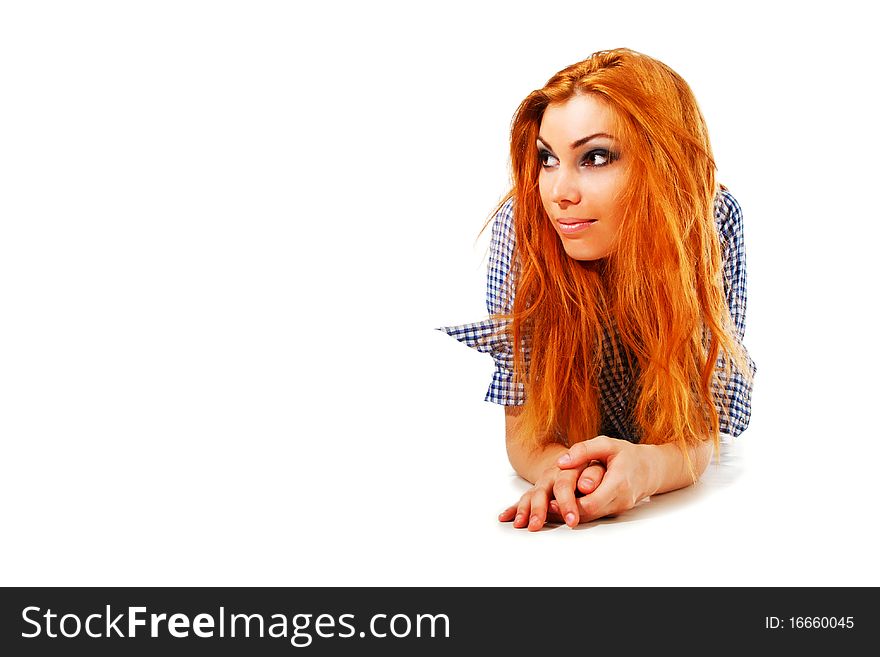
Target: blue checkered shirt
616 380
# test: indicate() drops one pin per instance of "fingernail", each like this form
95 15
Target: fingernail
518 518
533 520
565 459
569 519
587 483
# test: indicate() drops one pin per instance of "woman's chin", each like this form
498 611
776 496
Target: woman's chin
581 252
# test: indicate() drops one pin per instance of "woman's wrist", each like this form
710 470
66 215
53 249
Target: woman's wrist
668 467
541 460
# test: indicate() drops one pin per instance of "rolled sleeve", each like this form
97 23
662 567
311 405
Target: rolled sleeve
490 335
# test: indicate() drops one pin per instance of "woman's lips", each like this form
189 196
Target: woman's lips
569 227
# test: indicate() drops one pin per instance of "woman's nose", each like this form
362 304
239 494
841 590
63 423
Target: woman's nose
565 188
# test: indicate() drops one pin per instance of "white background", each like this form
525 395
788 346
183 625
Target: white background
228 230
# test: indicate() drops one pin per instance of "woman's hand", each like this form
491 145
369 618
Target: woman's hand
630 473
561 484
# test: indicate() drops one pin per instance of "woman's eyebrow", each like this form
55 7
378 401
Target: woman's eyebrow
579 142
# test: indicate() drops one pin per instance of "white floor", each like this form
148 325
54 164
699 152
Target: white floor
228 228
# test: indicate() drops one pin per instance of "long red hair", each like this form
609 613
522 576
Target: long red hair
661 288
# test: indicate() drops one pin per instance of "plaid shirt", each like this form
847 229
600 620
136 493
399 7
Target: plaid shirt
616 380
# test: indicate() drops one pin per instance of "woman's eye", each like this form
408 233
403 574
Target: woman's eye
598 158
595 158
543 155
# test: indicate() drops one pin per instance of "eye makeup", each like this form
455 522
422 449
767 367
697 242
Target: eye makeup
594 158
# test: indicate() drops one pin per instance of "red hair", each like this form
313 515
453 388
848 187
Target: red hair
660 289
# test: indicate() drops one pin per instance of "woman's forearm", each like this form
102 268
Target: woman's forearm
531 464
528 461
670 468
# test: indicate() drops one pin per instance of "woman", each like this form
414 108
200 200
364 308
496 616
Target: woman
617 264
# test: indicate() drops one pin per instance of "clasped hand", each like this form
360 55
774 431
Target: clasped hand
595 478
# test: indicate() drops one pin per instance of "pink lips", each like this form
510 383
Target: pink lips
571 226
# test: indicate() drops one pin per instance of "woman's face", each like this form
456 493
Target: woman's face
581 175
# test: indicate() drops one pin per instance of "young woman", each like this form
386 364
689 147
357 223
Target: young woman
617 265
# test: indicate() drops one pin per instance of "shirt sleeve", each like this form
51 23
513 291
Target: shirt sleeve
489 336
500 292
729 220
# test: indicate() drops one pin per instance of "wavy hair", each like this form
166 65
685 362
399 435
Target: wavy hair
660 290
